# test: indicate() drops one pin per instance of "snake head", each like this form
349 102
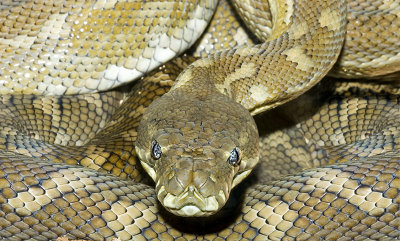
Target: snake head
196 149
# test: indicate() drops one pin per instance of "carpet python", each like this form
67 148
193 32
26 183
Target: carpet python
326 165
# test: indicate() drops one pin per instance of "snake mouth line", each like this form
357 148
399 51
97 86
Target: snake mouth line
190 203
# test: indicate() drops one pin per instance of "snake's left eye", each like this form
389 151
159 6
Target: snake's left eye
155 150
234 157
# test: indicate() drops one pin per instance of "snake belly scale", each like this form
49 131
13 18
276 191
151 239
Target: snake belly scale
326 165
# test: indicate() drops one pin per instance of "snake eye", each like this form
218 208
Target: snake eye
234 158
155 150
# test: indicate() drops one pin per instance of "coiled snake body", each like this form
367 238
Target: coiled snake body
69 165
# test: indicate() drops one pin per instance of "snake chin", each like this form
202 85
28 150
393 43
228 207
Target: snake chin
191 203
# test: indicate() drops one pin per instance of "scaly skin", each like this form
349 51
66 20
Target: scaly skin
193 175
40 199
205 116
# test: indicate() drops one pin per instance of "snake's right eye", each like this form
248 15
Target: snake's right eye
234 157
155 150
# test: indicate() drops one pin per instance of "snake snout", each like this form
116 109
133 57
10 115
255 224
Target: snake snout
190 193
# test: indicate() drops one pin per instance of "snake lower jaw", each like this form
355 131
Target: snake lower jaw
190 203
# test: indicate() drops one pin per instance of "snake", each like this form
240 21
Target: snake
69 159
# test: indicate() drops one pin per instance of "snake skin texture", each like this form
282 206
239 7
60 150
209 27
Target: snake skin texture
199 124
87 46
329 165
364 54
97 205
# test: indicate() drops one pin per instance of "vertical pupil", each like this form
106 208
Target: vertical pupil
234 157
155 150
